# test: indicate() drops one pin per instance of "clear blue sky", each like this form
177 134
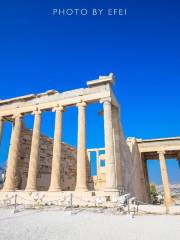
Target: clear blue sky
39 51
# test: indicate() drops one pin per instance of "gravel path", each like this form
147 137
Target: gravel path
57 224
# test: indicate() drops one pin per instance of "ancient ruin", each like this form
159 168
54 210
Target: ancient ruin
38 164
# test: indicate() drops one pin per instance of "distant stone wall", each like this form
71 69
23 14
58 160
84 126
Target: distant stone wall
68 163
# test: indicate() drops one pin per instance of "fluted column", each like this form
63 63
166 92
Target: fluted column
56 160
1 127
10 182
111 182
34 155
81 184
165 181
117 145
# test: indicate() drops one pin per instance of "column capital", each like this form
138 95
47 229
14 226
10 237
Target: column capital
81 104
58 107
37 111
17 115
105 100
1 118
161 152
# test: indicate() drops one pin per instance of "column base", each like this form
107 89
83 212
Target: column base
31 190
54 190
168 204
81 189
8 189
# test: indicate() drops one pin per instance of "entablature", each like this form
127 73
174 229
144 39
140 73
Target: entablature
50 99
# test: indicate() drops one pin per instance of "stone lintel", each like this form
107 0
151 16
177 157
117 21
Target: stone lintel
48 102
21 98
158 139
102 80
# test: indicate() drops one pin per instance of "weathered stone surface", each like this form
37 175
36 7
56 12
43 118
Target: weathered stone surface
68 165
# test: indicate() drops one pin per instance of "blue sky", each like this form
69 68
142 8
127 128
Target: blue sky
39 51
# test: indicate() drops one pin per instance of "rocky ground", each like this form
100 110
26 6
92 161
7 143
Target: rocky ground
87 224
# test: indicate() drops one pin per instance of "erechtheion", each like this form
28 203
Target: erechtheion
37 163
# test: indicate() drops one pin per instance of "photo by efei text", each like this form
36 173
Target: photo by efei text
87 12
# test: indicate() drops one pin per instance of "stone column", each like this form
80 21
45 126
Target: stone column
1 127
97 163
34 155
147 198
81 184
89 162
117 146
10 182
111 182
89 156
178 158
56 160
165 181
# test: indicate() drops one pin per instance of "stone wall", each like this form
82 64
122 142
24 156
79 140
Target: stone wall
68 163
137 171
131 168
